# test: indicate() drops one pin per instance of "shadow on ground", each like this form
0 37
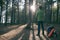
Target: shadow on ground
23 35
5 29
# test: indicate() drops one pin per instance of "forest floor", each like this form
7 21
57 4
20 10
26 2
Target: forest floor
20 32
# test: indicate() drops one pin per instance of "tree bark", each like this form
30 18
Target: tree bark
6 12
18 20
57 10
12 14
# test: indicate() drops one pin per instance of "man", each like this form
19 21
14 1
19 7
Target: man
40 18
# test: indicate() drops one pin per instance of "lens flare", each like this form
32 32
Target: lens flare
33 8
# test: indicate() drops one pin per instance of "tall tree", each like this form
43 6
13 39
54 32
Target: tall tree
47 11
6 12
57 10
13 14
1 4
30 20
25 8
18 20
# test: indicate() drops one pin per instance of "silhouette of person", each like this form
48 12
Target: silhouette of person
40 19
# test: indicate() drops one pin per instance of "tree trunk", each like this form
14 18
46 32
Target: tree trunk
12 14
57 11
18 13
6 12
25 11
1 10
30 20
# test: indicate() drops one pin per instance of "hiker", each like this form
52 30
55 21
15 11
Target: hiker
40 18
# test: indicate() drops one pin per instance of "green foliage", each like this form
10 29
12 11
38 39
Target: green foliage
59 0
1 2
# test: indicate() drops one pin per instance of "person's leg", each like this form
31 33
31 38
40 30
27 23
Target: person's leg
42 27
38 27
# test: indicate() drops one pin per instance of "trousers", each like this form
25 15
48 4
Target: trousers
40 23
